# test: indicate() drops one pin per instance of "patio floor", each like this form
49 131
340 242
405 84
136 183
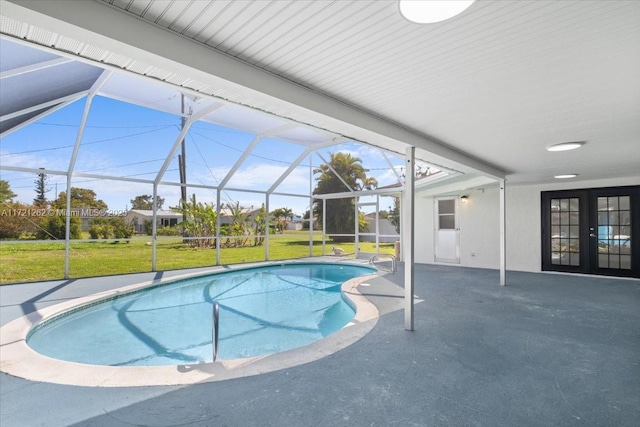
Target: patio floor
549 349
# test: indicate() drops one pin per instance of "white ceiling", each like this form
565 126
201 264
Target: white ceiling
487 90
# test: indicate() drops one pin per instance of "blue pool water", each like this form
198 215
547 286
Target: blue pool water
262 311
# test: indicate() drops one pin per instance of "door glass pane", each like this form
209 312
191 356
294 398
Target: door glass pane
602 204
574 259
574 218
624 203
603 261
446 206
625 217
574 232
574 205
625 262
447 222
614 239
564 217
565 235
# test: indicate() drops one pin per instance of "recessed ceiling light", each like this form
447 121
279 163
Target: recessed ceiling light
430 11
565 146
566 176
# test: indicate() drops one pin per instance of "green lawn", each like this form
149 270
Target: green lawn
28 262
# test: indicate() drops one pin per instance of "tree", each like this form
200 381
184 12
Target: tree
6 195
41 190
340 212
259 226
287 213
394 214
280 216
54 228
145 202
108 228
14 226
200 222
80 198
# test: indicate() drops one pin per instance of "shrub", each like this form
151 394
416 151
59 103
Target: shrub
108 228
53 228
169 231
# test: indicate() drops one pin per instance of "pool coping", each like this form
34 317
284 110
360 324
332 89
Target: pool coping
18 359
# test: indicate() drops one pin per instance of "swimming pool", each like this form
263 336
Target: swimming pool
263 310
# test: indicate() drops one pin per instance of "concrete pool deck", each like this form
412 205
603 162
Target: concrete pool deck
549 349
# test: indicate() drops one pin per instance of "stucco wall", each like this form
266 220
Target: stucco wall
479 224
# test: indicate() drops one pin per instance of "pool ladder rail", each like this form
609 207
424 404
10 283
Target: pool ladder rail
214 329
375 258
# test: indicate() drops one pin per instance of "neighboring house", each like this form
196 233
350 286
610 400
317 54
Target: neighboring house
387 231
87 215
137 218
295 224
227 218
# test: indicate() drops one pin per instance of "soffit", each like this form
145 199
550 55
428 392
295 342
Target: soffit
500 82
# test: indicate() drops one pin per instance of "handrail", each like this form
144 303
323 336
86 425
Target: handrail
214 329
392 257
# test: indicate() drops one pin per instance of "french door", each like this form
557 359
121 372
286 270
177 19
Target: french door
592 231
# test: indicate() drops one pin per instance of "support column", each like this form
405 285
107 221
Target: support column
324 227
503 234
218 224
408 217
378 224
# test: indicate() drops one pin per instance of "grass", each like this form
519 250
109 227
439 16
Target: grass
28 262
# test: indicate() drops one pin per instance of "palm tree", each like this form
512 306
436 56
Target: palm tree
340 212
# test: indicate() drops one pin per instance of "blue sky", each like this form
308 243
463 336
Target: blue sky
123 139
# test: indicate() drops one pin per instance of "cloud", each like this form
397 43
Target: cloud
389 177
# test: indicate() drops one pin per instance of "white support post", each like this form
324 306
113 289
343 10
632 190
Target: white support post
408 237
310 206
356 239
503 234
154 228
378 223
401 226
72 164
218 224
324 226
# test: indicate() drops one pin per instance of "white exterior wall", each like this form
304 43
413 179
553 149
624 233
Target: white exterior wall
479 224
478 233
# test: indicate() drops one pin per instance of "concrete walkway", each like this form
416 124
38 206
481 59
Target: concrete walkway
548 350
